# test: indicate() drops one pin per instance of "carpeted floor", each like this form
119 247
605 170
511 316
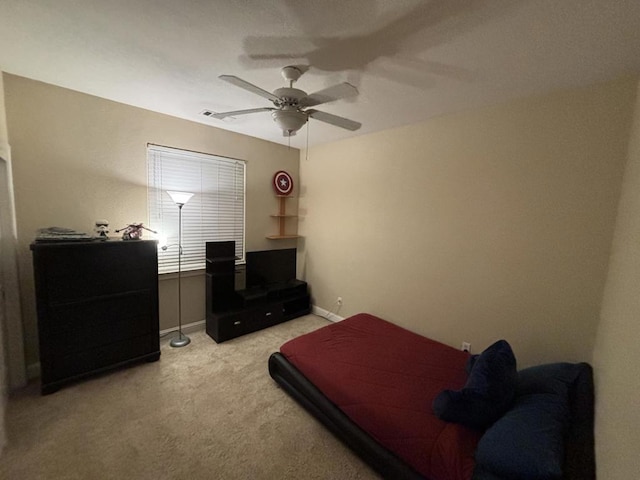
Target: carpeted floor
203 411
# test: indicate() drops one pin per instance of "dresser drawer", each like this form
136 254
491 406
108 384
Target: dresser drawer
265 316
233 324
67 365
70 273
101 321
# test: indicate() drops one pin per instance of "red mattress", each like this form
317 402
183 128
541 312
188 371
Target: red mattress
384 378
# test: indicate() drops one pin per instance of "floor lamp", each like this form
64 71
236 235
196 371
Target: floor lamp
180 199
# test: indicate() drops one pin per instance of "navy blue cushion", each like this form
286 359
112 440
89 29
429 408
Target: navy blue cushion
527 442
488 393
471 361
480 473
550 378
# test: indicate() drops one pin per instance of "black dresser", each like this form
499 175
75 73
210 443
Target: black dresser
97 305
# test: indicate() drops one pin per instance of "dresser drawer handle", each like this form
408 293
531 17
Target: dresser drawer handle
237 322
268 314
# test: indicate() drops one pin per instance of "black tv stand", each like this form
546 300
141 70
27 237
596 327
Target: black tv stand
232 313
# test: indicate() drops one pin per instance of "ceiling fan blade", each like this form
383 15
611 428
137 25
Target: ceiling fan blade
334 120
336 92
238 82
222 115
273 56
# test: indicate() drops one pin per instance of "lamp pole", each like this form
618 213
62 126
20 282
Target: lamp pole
182 339
180 198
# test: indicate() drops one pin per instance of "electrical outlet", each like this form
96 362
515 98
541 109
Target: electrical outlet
466 347
339 301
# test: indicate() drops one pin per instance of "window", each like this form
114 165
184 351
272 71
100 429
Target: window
214 213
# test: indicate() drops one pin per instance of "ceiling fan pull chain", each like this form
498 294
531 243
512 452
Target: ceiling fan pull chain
307 152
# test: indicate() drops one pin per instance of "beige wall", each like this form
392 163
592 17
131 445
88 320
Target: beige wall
4 150
493 223
617 356
4 135
78 158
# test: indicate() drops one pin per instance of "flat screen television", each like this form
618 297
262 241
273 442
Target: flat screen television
270 267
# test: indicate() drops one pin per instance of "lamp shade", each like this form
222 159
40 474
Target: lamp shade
180 198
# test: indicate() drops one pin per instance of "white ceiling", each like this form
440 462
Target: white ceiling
410 59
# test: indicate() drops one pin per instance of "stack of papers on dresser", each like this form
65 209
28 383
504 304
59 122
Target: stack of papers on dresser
61 234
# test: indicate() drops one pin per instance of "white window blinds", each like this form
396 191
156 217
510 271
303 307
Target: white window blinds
214 213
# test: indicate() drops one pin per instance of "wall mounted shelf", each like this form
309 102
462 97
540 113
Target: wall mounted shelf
282 217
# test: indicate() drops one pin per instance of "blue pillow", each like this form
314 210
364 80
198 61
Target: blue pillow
527 443
549 378
471 361
488 393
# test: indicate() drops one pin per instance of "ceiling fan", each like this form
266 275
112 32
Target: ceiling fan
290 110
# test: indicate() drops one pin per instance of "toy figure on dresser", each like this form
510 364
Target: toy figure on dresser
133 231
102 229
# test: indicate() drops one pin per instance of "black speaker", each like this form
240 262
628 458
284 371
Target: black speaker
221 266
220 249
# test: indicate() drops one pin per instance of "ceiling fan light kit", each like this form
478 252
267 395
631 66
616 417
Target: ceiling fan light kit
289 121
290 103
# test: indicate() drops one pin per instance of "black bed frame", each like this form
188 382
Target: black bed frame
579 461
305 393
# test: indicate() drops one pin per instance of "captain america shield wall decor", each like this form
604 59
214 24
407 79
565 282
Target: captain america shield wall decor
282 183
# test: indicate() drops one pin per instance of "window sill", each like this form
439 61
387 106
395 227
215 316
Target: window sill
173 275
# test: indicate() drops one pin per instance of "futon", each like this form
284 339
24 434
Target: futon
381 389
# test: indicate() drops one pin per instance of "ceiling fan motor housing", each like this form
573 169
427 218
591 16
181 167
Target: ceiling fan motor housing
289 96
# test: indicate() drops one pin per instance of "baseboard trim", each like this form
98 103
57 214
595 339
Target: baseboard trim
321 312
187 328
33 371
